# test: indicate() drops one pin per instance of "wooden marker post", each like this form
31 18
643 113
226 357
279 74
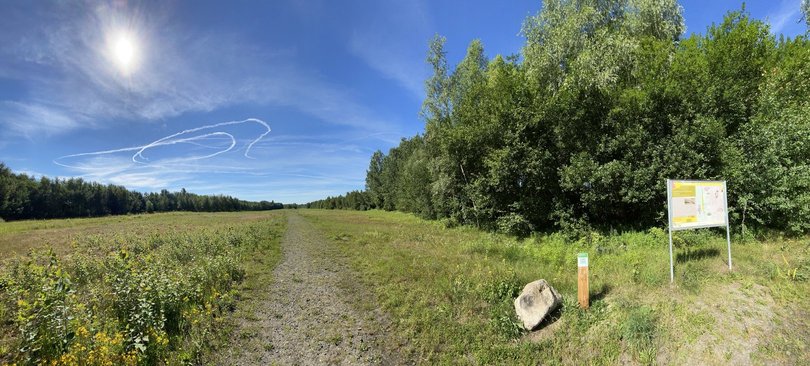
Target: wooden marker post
582 280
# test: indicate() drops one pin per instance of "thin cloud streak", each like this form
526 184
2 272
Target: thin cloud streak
181 71
31 121
316 167
389 43
789 11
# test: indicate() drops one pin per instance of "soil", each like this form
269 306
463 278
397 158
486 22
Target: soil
311 315
743 321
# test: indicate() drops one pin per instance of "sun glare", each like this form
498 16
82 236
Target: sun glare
123 50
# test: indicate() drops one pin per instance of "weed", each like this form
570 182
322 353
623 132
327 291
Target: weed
505 322
500 293
792 272
638 332
514 224
44 311
125 299
335 339
505 287
341 237
449 292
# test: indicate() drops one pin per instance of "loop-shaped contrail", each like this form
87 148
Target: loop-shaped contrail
176 138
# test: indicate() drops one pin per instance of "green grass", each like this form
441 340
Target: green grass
19 237
447 292
149 289
450 292
251 294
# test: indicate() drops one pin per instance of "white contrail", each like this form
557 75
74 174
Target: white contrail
172 142
172 139
161 141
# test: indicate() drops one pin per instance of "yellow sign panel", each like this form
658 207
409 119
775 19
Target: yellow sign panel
683 190
696 204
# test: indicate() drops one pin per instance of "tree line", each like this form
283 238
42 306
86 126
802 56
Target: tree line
354 200
24 197
605 101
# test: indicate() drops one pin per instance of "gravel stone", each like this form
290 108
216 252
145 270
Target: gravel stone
309 317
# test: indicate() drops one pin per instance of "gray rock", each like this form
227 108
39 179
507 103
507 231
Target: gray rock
537 300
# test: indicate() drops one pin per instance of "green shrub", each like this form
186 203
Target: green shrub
500 294
136 300
638 332
45 306
514 224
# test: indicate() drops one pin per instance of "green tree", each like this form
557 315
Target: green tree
374 180
606 102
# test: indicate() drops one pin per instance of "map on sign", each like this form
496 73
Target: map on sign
695 204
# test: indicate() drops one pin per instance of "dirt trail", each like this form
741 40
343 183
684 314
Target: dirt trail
308 317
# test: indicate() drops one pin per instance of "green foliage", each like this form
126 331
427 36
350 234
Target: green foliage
44 311
451 292
355 200
505 322
23 197
126 299
638 331
500 294
374 184
605 102
505 288
514 224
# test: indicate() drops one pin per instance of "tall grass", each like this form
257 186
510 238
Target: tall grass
450 292
126 299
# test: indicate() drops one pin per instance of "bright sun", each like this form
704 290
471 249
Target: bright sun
123 50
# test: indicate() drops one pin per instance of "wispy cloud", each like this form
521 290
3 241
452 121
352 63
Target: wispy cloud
30 120
789 12
56 58
393 44
232 158
69 77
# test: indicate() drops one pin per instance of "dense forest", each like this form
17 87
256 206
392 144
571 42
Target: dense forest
606 100
23 197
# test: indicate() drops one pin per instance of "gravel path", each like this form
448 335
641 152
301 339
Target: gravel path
308 317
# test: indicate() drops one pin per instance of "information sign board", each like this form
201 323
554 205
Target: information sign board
696 204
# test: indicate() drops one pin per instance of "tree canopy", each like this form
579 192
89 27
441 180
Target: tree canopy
605 101
23 197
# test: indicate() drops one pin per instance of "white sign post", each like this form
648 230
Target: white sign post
694 204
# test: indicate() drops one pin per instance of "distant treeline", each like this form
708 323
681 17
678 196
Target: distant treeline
604 103
23 197
354 200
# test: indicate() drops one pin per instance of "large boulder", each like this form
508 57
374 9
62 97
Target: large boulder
537 300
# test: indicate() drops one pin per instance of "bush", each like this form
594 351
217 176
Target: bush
147 301
514 224
500 294
638 331
45 307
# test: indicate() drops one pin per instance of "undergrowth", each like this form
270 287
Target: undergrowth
451 292
127 299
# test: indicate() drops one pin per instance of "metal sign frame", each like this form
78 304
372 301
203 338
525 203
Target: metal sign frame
669 221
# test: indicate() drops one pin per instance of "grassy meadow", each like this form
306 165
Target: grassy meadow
450 293
143 289
18 237
166 288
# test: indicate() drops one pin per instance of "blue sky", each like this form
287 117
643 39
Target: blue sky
271 100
